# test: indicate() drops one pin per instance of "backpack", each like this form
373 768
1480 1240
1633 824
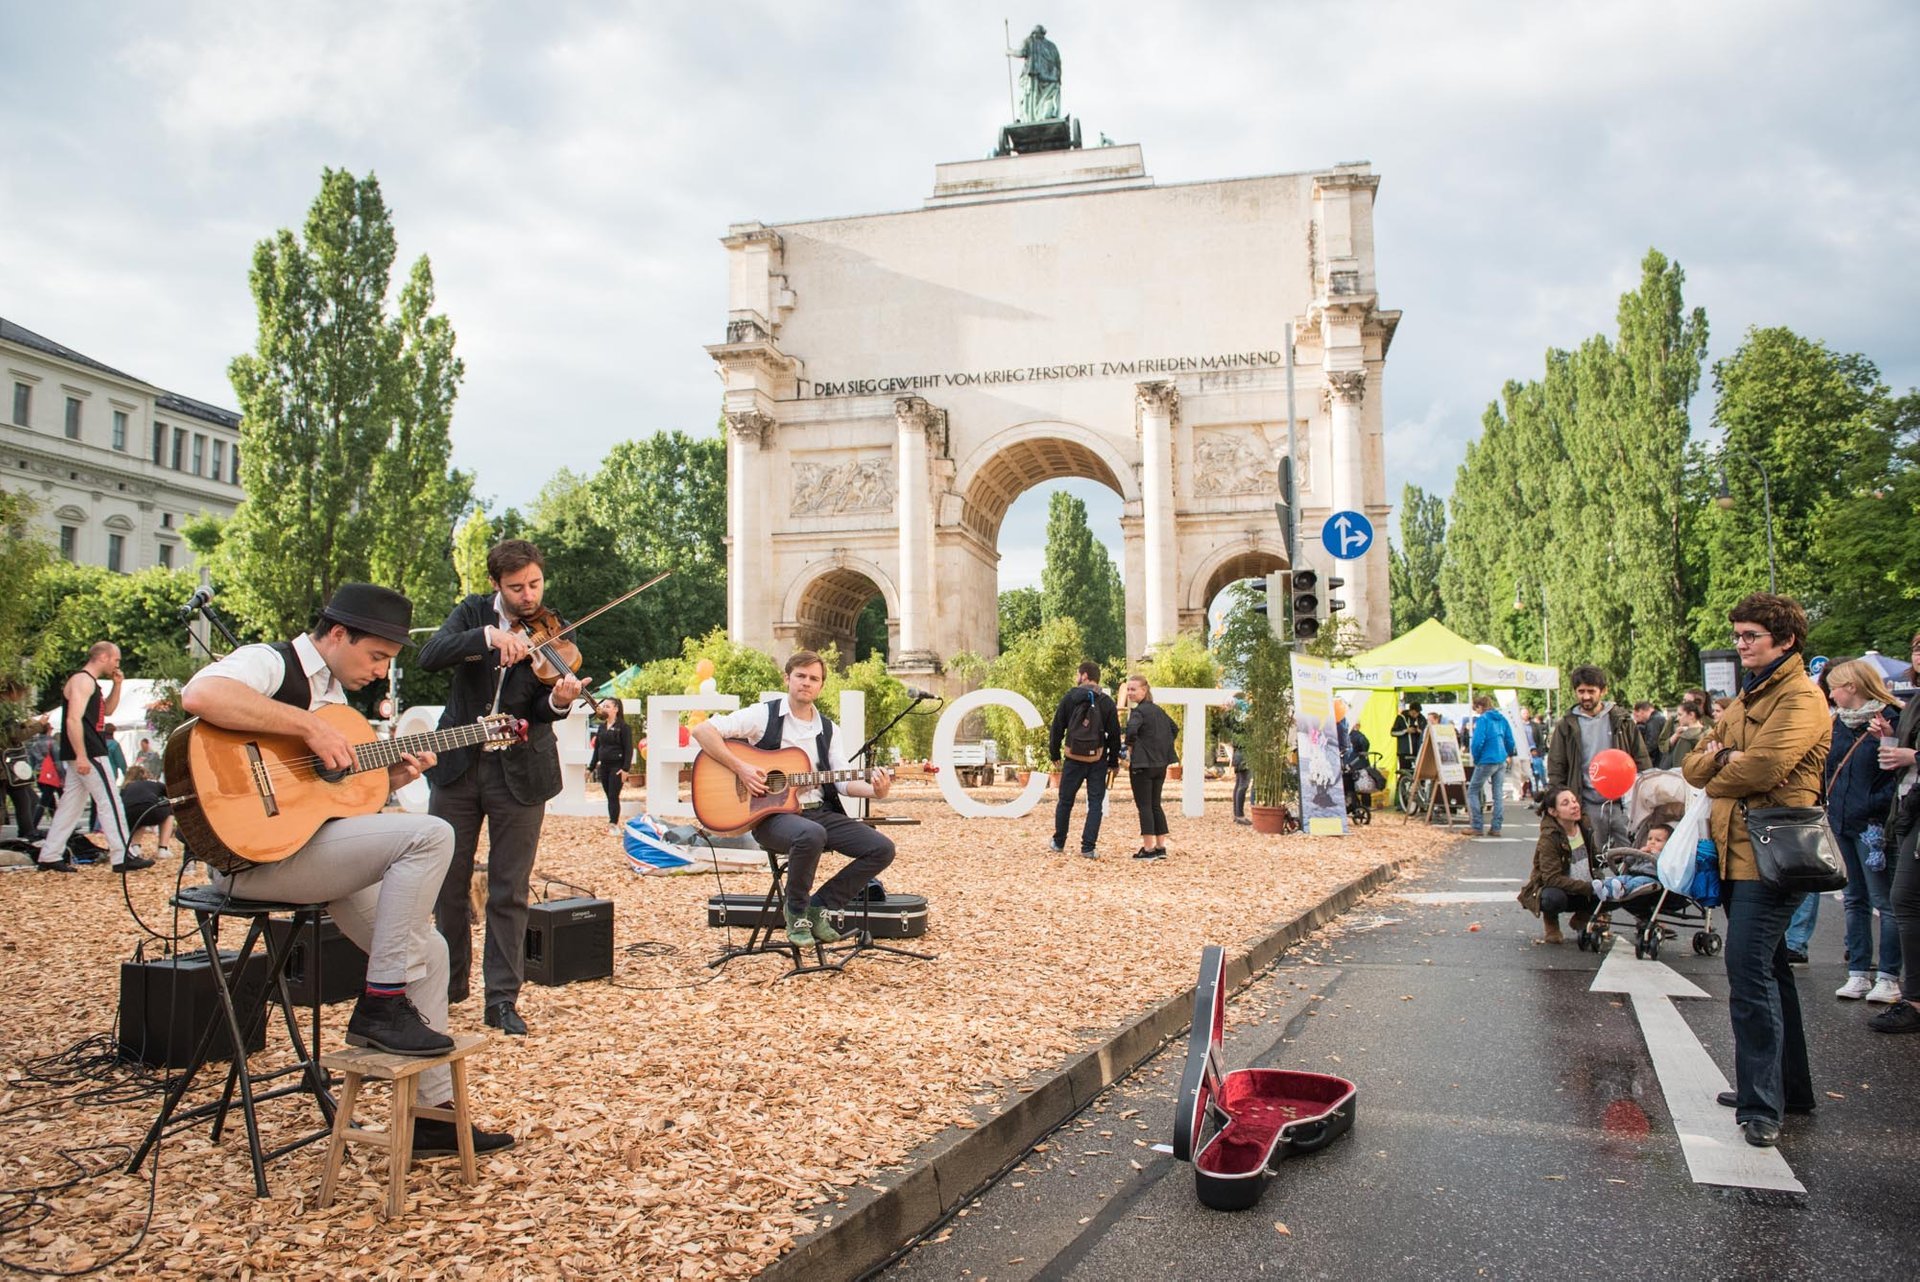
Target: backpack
1086 737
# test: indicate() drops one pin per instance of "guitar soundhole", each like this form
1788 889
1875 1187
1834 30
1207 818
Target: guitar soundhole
776 782
333 776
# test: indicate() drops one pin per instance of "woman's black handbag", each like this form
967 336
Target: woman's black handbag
1795 849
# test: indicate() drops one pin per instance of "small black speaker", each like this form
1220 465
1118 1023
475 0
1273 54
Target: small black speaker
166 1005
340 967
569 940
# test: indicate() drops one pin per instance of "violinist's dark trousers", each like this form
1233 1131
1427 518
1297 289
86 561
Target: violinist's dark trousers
802 837
513 834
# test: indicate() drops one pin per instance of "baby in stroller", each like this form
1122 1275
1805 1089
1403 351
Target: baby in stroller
1627 876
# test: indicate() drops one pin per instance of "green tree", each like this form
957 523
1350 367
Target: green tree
72 606
1413 566
1019 613
1863 532
1040 665
1186 663
471 543
333 388
870 630
1078 578
24 555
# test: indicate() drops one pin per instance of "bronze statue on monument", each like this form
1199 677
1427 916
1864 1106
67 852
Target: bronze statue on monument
1037 121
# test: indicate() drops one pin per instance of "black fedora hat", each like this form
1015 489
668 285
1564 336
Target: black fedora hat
370 608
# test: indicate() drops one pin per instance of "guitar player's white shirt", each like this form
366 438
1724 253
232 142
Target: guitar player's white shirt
259 668
750 723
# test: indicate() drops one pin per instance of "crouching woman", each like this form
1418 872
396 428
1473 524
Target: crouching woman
1562 879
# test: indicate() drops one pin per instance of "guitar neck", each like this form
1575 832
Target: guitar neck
382 753
813 778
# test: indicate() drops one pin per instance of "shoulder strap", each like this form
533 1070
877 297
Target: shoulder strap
295 690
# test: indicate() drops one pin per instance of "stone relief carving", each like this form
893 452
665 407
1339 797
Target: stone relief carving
857 485
1303 466
1231 462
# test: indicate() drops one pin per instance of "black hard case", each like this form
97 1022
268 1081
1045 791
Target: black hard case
895 917
1233 1126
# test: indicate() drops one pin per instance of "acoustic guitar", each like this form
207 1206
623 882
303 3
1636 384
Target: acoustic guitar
256 798
724 807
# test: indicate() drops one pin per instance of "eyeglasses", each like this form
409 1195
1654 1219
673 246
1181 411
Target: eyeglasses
1750 638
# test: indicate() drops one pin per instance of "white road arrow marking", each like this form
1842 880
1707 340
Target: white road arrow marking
1716 1152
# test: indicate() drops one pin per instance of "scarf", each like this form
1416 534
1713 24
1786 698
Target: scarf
1855 719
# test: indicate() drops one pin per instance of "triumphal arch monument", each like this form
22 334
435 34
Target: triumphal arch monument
894 381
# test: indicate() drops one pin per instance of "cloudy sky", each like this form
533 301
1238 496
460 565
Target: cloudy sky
570 167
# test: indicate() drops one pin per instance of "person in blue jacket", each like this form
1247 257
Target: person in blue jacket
1491 746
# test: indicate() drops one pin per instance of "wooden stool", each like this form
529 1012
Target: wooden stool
357 1064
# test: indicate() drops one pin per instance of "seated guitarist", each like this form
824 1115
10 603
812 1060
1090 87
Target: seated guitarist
797 722
377 874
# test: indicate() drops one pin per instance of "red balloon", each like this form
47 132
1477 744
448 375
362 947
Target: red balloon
1612 772
686 737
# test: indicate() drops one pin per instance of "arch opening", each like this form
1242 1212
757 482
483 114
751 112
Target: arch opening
839 608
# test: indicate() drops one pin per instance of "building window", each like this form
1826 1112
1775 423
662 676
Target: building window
73 418
179 447
116 552
166 520
166 556
199 454
219 459
235 478
69 536
159 443
120 430
22 404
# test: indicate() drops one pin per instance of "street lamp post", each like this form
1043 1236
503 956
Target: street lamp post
1724 499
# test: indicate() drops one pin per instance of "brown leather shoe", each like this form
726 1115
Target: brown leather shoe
1552 933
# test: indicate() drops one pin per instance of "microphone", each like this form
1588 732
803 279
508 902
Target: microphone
917 695
201 595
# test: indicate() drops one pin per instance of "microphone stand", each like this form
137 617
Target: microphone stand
205 611
863 937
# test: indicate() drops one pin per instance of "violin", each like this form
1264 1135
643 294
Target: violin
552 655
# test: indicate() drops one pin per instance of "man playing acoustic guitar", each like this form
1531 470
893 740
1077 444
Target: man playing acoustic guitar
378 874
822 824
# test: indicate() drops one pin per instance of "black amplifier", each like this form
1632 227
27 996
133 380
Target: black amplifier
339 968
569 940
166 1005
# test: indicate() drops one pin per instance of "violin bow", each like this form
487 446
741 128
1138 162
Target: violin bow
619 600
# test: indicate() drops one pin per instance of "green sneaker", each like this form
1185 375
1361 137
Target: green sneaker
799 927
822 928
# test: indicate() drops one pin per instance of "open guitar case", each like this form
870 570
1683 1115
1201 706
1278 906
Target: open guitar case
1233 1126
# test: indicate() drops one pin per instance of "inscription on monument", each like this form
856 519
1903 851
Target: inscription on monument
857 485
1046 373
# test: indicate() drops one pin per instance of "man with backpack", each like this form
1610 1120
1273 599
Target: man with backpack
1086 728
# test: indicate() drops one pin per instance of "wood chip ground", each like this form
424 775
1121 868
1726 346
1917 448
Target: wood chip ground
676 1121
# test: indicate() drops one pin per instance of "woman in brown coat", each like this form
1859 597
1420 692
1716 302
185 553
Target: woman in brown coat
1562 877
1766 750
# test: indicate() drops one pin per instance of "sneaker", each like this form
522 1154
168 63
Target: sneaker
823 930
393 1025
1055 848
1243 820
162 852
1898 1018
57 865
1885 991
133 863
434 1138
1493 831
1856 987
1089 852
1155 853
799 929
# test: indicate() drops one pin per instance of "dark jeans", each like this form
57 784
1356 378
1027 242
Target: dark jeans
802 837
1146 799
1906 908
1242 782
610 784
1769 1045
1072 775
1554 901
513 833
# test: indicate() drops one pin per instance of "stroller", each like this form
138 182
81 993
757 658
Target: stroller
1362 778
1657 797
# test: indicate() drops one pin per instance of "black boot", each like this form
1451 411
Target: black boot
393 1025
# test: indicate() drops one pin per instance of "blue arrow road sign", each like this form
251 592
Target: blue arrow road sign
1347 535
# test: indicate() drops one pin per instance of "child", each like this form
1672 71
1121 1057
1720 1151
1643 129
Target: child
1635 871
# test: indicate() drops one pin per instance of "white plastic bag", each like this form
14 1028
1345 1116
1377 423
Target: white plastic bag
1676 860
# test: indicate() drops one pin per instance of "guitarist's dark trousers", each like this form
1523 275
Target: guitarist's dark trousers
802 837
481 796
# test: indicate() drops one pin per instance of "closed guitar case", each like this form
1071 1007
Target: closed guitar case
894 917
1233 1126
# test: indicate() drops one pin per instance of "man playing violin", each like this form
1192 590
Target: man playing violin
486 644
822 824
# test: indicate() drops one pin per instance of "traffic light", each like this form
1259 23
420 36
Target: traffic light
1306 604
1334 603
1273 603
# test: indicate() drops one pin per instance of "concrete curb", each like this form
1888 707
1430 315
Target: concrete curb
955 1165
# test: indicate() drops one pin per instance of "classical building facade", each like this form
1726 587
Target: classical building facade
114 464
894 381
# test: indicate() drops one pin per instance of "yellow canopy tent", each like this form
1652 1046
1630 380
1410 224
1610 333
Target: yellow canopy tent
1430 657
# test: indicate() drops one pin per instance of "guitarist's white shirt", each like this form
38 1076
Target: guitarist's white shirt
259 668
750 723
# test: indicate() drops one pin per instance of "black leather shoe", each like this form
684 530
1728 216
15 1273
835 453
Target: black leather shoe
433 1138
1761 1133
58 865
1795 957
393 1025
133 863
1727 1099
503 1016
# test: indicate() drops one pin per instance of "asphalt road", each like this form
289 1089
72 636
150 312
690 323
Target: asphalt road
1509 1124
